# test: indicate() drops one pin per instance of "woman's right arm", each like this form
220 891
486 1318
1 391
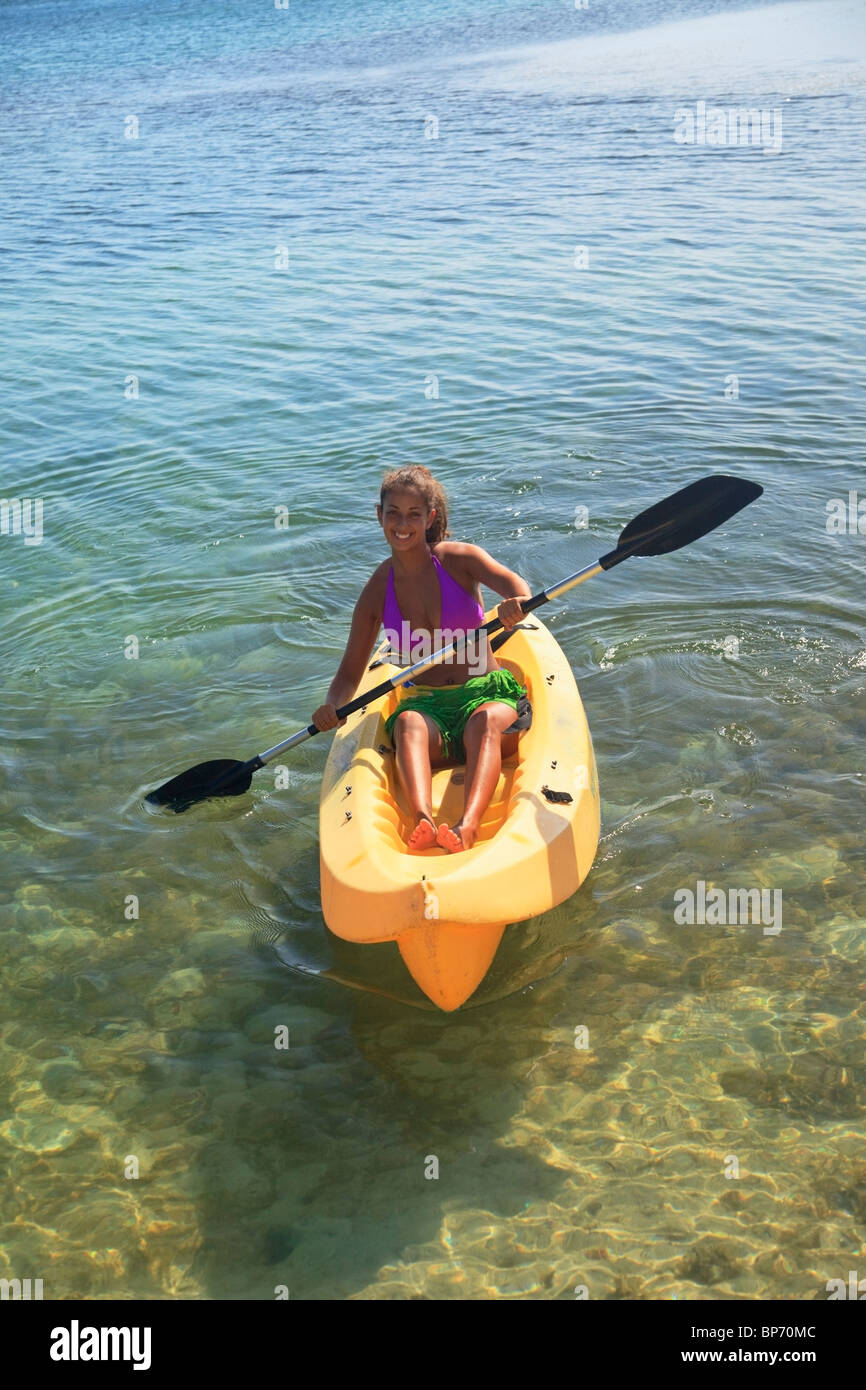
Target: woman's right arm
366 621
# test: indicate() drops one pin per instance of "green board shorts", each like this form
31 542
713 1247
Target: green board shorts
449 706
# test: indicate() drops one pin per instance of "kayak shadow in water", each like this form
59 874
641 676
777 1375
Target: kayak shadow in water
355 1149
334 1157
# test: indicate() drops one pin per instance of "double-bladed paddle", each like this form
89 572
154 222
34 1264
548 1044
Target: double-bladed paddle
683 517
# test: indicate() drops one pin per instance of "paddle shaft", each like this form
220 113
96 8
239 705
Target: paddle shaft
634 540
676 521
410 672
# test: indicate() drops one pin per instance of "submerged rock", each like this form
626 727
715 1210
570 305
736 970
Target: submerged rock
38 1135
304 1022
180 984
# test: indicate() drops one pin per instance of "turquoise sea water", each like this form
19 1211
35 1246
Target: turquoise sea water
250 259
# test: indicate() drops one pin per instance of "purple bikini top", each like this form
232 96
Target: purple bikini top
460 611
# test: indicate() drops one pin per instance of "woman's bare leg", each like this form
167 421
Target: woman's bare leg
485 748
418 744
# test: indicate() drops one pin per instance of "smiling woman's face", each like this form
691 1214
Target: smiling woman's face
404 518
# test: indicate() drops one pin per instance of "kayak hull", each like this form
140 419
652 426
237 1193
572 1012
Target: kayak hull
450 959
536 843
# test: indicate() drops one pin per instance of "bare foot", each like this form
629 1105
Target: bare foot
424 834
457 837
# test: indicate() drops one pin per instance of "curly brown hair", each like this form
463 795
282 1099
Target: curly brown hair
419 478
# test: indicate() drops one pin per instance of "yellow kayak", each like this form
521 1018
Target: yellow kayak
536 843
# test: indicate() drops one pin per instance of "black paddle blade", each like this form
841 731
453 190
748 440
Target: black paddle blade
219 777
683 517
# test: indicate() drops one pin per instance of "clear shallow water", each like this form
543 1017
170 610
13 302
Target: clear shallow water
734 762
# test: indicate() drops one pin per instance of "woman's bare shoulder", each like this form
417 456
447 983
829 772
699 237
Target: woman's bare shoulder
373 591
461 553
456 550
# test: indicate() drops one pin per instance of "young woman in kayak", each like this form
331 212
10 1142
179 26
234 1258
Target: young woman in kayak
465 711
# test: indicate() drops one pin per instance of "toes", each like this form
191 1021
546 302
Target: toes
447 838
423 836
